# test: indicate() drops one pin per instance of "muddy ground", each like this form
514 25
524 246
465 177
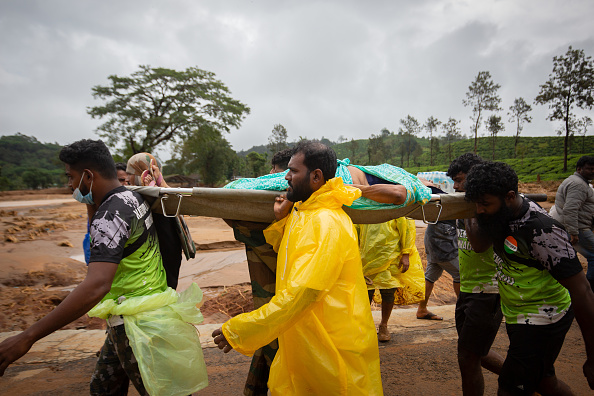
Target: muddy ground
39 265
40 253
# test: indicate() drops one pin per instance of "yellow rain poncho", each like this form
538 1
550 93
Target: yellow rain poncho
382 247
320 313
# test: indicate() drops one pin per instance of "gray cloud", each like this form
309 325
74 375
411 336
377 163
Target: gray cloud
320 68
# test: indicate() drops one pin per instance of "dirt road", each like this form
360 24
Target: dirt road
37 269
420 360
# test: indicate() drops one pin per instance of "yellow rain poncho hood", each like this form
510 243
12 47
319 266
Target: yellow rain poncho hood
320 313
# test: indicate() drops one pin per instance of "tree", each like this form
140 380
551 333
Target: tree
570 85
518 113
353 146
278 140
20 153
417 152
379 147
256 163
402 149
37 178
494 126
573 125
482 96
410 128
451 133
157 105
584 123
375 149
212 158
522 149
431 126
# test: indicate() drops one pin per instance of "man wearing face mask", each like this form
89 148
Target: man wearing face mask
125 267
123 179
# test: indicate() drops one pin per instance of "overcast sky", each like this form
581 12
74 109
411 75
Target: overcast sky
320 68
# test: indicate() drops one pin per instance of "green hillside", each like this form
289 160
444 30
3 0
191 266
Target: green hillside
536 155
27 163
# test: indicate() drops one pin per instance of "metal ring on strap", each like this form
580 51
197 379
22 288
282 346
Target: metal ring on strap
166 196
437 205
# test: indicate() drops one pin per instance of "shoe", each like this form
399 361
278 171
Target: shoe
383 334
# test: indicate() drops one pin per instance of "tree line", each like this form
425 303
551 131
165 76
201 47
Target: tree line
570 86
26 163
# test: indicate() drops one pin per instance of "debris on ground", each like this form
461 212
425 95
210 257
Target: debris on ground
228 301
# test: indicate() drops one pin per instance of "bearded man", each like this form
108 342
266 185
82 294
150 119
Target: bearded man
320 313
478 309
541 282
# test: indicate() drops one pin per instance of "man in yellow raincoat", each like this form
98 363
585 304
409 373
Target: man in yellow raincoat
392 264
320 313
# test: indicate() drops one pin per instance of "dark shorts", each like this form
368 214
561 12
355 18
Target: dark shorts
478 317
387 295
531 355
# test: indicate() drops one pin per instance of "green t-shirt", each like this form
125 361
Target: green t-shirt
530 259
478 273
122 232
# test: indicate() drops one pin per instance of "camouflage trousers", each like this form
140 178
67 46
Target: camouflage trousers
116 366
261 260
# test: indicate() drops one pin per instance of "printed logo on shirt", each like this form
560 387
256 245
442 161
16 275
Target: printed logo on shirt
148 222
141 210
510 245
501 277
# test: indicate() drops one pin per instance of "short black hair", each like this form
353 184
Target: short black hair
89 154
463 164
318 156
585 160
121 166
281 158
494 178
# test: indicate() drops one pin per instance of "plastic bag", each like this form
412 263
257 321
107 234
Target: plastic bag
165 344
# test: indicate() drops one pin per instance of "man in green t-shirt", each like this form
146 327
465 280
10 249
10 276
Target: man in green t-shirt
541 281
125 264
478 310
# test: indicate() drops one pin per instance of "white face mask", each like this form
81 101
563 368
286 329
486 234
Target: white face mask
86 199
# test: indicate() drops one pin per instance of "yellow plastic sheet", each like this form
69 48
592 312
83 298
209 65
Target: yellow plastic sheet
165 343
320 313
382 247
